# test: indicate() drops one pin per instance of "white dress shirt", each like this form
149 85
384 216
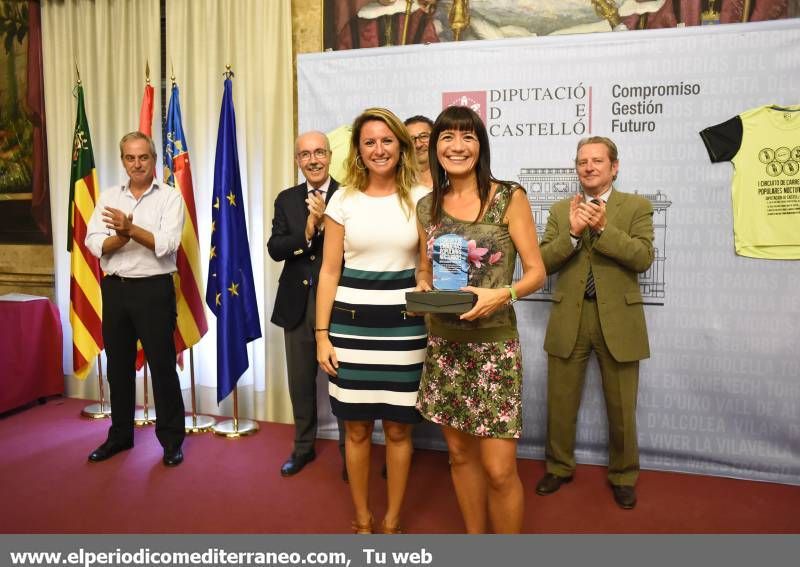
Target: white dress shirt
159 210
323 189
323 193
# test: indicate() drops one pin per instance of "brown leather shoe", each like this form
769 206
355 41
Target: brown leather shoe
550 483
624 496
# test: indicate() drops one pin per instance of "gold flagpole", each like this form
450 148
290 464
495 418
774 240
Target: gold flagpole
235 428
101 409
196 423
144 416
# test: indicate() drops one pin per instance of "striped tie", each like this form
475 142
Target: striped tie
591 291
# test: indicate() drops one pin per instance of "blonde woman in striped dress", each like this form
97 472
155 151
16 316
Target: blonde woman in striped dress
371 348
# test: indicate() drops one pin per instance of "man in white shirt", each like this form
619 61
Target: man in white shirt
135 230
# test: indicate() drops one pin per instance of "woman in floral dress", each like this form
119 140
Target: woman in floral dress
472 379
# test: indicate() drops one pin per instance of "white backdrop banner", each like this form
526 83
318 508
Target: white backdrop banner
721 393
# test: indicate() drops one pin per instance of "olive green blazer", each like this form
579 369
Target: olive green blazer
619 254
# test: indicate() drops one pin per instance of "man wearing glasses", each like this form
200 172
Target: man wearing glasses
420 128
297 241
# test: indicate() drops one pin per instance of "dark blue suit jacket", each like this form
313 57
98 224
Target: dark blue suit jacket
301 261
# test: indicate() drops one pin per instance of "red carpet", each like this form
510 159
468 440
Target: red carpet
234 486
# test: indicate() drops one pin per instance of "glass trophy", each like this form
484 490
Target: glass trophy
450 274
450 264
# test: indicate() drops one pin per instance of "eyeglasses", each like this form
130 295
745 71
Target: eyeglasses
423 138
319 153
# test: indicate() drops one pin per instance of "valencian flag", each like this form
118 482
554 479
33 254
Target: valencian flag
85 308
230 292
177 173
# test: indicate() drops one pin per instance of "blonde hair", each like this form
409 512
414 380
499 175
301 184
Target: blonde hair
613 153
357 176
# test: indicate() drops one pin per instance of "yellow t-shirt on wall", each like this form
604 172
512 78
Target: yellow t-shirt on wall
763 144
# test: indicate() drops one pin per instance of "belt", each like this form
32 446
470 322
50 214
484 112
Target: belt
139 279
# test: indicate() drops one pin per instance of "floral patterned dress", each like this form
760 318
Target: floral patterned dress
472 378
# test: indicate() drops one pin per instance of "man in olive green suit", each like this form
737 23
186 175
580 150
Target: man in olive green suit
598 242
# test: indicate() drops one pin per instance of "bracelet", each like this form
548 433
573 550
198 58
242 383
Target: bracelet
513 293
326 329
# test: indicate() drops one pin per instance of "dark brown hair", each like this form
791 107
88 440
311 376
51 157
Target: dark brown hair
460 119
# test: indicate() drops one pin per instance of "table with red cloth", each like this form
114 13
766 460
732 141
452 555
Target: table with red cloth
30 350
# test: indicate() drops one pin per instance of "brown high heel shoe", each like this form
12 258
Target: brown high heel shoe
388 530
362 528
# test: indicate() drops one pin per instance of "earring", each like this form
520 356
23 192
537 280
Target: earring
359 163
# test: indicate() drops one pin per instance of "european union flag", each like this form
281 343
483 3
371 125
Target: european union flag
230 293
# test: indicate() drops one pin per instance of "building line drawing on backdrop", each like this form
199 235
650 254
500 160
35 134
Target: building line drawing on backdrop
548 185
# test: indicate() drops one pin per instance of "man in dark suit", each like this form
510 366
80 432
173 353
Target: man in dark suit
598 241
296 240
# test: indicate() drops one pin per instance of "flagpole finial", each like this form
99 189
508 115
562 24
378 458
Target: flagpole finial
228 74
77 72
147 71
172 76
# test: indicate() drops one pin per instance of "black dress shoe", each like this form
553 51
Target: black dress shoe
624 496
173 456
108 450
296 462
550 483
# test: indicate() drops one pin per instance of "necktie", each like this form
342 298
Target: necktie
316 193
591 291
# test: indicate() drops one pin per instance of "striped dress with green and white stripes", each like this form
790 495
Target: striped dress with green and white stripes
379 347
